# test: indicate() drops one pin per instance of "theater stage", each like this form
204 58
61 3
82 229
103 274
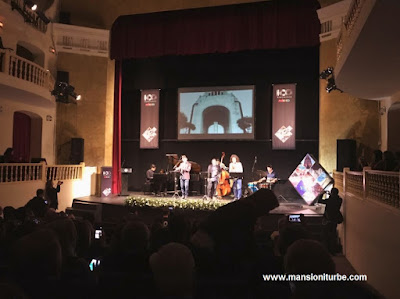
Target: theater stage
286 207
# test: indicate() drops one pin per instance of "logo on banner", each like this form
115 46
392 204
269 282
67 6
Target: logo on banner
150 99
106 174
284 93
284 133
107 191
150 134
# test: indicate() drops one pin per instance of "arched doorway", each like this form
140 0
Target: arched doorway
394 128
27 136
216 120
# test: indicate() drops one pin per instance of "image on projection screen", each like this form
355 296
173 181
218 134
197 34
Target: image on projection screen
310 179
216 113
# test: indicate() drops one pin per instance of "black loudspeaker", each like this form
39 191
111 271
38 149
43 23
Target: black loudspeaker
77 150
346 154
63 76
64 17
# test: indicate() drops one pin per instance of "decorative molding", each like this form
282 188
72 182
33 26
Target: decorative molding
81 40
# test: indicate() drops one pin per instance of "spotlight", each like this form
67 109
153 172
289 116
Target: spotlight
332 85
326 73
31 5
63 90
76 96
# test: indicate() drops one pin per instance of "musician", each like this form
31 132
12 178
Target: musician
270 177
213 171
150 173
236 167
184 168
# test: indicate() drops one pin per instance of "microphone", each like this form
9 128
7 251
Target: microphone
255 159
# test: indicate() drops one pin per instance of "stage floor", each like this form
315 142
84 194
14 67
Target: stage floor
285 207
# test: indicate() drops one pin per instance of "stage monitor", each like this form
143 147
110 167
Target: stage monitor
209 113
310 179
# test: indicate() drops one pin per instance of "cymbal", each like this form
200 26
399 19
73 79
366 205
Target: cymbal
261 172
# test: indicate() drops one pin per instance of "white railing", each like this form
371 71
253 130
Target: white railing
381 186
24 69
64 172
81 40
27 172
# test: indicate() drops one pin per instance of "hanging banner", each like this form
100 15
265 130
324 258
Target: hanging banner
149 118
284 117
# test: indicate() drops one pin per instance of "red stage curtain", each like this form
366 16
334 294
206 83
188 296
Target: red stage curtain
277 24
21 137
116 158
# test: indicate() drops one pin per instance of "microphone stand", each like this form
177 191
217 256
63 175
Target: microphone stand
254 164
252 169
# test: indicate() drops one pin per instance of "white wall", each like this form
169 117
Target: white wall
386 103
15 30
19 193
373 243
8 107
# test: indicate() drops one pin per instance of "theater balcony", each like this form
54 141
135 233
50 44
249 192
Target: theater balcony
27 54
368 48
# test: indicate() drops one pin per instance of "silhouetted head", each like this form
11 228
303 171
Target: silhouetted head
377 155
173 268
37 256
335 191
8 152
388 156
135 237
40 193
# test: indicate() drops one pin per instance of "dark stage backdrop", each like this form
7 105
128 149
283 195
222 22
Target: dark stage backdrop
261 68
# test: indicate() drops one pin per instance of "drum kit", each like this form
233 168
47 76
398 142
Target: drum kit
256 185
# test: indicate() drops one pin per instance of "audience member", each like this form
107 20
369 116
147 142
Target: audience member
376 160
309 257
8 155
389 162
173 268
332 217
51 194
37 205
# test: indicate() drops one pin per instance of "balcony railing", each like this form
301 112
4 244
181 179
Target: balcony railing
30 17
24 69
348 24
28 172
381 186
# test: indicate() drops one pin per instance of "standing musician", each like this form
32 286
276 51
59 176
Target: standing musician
184 168
236 167
270 177
213 171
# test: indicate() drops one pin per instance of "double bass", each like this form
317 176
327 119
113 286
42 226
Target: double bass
223 187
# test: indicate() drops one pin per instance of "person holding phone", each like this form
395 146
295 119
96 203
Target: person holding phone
52 193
